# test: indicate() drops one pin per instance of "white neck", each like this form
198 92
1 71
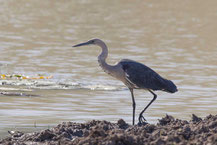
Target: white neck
102 58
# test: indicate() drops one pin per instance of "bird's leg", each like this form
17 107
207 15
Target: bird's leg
141 117
134 104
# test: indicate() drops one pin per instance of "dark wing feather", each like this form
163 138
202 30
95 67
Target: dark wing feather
144 77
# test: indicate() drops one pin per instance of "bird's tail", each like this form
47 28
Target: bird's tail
170 87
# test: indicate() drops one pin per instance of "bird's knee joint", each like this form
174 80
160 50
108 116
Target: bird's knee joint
134 105
155 96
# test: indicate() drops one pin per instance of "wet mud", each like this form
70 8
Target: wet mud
168 130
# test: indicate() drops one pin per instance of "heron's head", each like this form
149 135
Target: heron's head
90 42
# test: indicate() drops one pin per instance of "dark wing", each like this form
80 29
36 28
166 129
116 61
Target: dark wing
146 78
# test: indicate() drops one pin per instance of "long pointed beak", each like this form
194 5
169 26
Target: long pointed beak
82 44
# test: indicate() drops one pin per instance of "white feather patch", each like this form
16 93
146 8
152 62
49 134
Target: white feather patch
131 83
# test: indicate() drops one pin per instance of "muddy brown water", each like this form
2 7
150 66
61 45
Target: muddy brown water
175 38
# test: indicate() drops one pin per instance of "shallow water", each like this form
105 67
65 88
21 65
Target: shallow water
175 38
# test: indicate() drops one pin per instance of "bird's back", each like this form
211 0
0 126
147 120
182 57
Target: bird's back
144 77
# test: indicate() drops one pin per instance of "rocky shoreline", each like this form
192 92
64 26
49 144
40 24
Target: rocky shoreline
168 130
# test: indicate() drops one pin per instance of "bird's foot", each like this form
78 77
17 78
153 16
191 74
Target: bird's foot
142 120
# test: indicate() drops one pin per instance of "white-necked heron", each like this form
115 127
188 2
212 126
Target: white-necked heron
134 75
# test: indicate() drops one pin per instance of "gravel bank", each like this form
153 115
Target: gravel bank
167 131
